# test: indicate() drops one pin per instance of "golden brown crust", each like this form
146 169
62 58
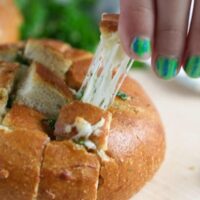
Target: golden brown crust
23 117
88 112
74 77
48 53
77 55
109 23
54 44
68 172
51 78
136 142
136 147
108 179
20 160
110 17
7 74
9 52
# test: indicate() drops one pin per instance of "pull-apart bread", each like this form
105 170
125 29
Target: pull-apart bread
53 146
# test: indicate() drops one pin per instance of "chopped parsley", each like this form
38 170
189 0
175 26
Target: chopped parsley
80 142
122 95
67 101
79 95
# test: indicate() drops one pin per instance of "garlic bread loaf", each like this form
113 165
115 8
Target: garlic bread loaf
54 146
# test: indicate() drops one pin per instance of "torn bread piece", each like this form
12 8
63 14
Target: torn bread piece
110 36
8 73
68 172
75 76
20 161
49 54
23 117
109 23
101 85
85 124
44 91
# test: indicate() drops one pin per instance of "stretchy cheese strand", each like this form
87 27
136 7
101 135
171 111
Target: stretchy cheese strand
106 73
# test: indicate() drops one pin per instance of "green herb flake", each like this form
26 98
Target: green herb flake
50 123
80 142
122 95
67 101
79 95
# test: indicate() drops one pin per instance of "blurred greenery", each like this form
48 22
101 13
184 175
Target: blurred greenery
68 20
140 64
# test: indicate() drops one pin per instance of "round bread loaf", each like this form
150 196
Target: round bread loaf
38 160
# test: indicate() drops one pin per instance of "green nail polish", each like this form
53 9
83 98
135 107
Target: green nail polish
192 66
141 46
166 68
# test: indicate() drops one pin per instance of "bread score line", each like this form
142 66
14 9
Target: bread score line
38 162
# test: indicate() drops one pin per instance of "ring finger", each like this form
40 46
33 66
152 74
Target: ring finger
192 64
170 36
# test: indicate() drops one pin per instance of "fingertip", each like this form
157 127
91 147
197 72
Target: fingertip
136 27
136 47
192 66
140 48
166 67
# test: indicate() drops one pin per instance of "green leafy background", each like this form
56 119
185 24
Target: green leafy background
68 20
73 21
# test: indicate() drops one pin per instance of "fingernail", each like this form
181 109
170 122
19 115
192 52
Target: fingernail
166 67
192 66
141 47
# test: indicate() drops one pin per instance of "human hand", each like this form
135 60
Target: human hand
158 28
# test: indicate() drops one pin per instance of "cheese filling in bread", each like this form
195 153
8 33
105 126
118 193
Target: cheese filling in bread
107 71
56 147
85 124
84 128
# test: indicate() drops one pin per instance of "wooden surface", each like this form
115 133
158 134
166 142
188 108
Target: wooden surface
178 102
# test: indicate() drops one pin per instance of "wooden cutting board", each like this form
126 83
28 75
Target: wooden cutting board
179 107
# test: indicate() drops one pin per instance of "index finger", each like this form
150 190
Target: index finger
136 27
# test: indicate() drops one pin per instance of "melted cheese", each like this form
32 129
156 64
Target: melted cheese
73 91
84 131
68 128
103 155
97 127
90 145
84 128
5 128
100 85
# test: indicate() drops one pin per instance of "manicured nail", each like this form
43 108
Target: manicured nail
192 66
166 68
141 47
